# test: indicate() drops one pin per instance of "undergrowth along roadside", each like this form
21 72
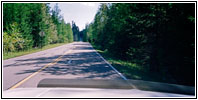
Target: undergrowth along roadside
29 51
132 70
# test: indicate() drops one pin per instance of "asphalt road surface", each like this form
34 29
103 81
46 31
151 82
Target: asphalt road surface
77 60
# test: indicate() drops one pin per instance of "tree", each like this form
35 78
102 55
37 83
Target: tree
75 30
31 19
69 32
149 35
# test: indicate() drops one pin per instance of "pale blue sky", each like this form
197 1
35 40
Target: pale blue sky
80 13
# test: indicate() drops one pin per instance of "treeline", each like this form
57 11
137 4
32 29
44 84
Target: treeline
30 25
77 34
159 37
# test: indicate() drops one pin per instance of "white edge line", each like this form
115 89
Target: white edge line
110 65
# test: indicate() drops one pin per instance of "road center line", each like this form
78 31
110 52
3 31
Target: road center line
49 64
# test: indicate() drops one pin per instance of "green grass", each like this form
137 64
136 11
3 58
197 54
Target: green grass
131 70
33 50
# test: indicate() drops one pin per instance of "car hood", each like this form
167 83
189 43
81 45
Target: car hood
85 93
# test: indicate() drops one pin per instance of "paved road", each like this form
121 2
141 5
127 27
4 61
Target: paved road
78 61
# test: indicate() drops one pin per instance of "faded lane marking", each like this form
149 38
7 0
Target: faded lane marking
49 64
69 62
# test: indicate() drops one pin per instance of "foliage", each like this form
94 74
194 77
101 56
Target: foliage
76 32
23 23
149 35
13 40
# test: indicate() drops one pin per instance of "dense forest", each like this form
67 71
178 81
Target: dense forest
33 25
76 32
158 37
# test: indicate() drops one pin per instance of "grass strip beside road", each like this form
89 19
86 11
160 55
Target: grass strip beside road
33 50
131 70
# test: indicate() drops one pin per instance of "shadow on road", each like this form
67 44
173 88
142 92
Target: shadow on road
85 62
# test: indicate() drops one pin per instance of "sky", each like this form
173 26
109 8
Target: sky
80 13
